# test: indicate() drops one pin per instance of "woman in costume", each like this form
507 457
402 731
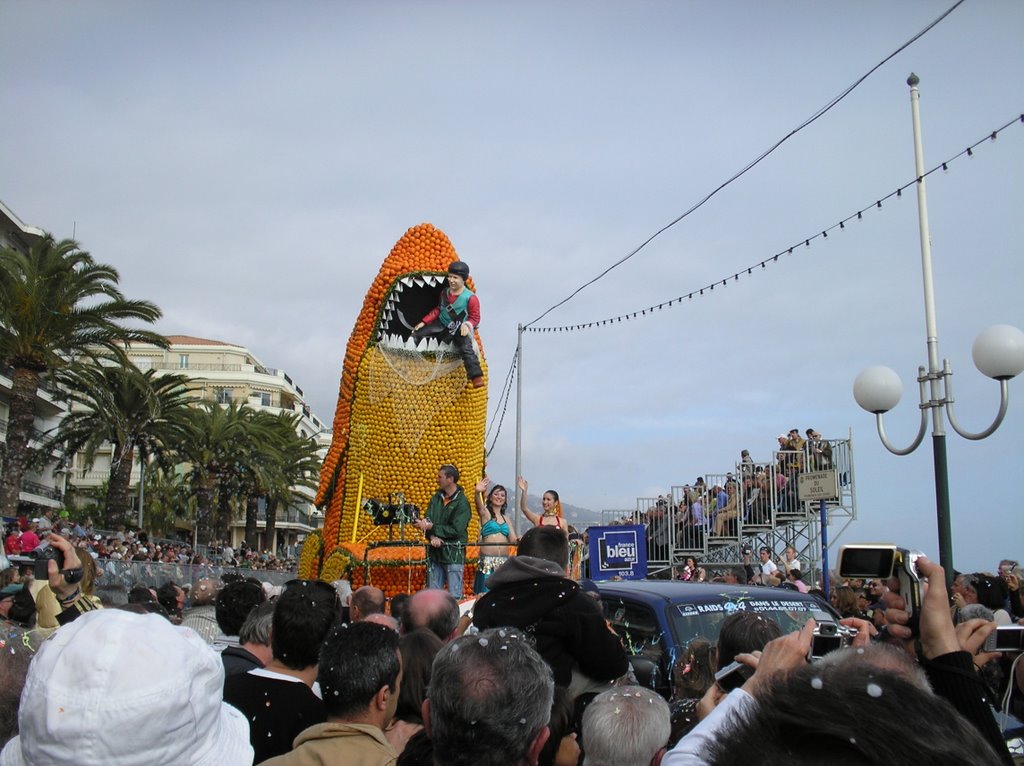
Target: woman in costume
496 534
549 502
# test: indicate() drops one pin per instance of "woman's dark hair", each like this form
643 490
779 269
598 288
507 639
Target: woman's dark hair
560 725
744 632
992 591
23 608
694 672
140 594
492 490
418 649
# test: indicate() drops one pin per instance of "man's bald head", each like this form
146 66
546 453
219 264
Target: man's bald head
433 609
366 601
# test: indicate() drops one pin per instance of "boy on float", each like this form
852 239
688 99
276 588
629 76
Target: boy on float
454 320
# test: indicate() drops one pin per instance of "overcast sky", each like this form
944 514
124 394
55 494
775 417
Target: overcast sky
247 166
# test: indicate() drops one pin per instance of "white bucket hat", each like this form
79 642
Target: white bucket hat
131 689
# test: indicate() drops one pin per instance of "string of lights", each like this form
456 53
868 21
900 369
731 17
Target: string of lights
821 234
750 165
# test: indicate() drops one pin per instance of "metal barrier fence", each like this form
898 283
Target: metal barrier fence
129 573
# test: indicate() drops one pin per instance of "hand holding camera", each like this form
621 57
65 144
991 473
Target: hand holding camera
63 568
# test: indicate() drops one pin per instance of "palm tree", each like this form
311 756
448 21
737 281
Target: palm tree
56 303
211 440
131 410
292 463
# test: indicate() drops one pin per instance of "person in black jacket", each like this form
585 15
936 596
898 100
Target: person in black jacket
531 592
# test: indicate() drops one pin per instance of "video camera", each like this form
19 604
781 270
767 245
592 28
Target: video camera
883 561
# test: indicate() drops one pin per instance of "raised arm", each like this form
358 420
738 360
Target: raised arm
480 500
523 486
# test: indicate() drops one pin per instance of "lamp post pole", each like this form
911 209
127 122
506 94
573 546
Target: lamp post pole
932 335
998 352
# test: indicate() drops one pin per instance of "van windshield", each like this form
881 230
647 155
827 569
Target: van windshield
704 620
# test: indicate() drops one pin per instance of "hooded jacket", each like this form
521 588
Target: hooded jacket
535 596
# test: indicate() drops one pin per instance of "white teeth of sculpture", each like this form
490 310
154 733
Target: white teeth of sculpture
432 344
405 281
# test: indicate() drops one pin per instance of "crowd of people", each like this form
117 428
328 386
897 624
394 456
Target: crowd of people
709 513
133 545
231 671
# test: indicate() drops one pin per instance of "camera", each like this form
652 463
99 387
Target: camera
828 636
733 676
1005 638
884 561
43 555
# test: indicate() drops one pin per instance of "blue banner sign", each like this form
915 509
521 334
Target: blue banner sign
618 552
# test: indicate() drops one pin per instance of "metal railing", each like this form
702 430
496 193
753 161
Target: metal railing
768 507
41 489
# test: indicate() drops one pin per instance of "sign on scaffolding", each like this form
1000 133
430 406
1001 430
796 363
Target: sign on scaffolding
818 485
618 552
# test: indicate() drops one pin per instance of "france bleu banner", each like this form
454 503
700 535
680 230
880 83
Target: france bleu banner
618 552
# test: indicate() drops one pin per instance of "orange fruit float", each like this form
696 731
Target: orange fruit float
404 409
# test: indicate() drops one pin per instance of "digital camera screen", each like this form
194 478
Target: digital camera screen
866 562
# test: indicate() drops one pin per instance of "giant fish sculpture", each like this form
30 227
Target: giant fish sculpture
404 409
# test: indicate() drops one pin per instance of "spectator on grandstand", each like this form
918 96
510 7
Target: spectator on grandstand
160 705
279 700
202 615
746 465
360 673
691 520
725 518
433 609
819 451
531 592
489 700
626 726
418 648
366 601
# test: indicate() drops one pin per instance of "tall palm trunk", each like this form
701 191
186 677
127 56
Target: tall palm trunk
19 430
252 507
204 510
271 533
223 525
118 501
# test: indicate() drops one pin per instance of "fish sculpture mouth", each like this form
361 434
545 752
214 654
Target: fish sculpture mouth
411 297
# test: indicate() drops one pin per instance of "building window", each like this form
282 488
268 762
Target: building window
222 395
182 361
264 398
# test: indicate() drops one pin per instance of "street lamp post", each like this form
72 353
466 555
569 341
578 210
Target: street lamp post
998 353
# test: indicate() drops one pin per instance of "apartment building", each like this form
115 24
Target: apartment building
224 373
43 488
